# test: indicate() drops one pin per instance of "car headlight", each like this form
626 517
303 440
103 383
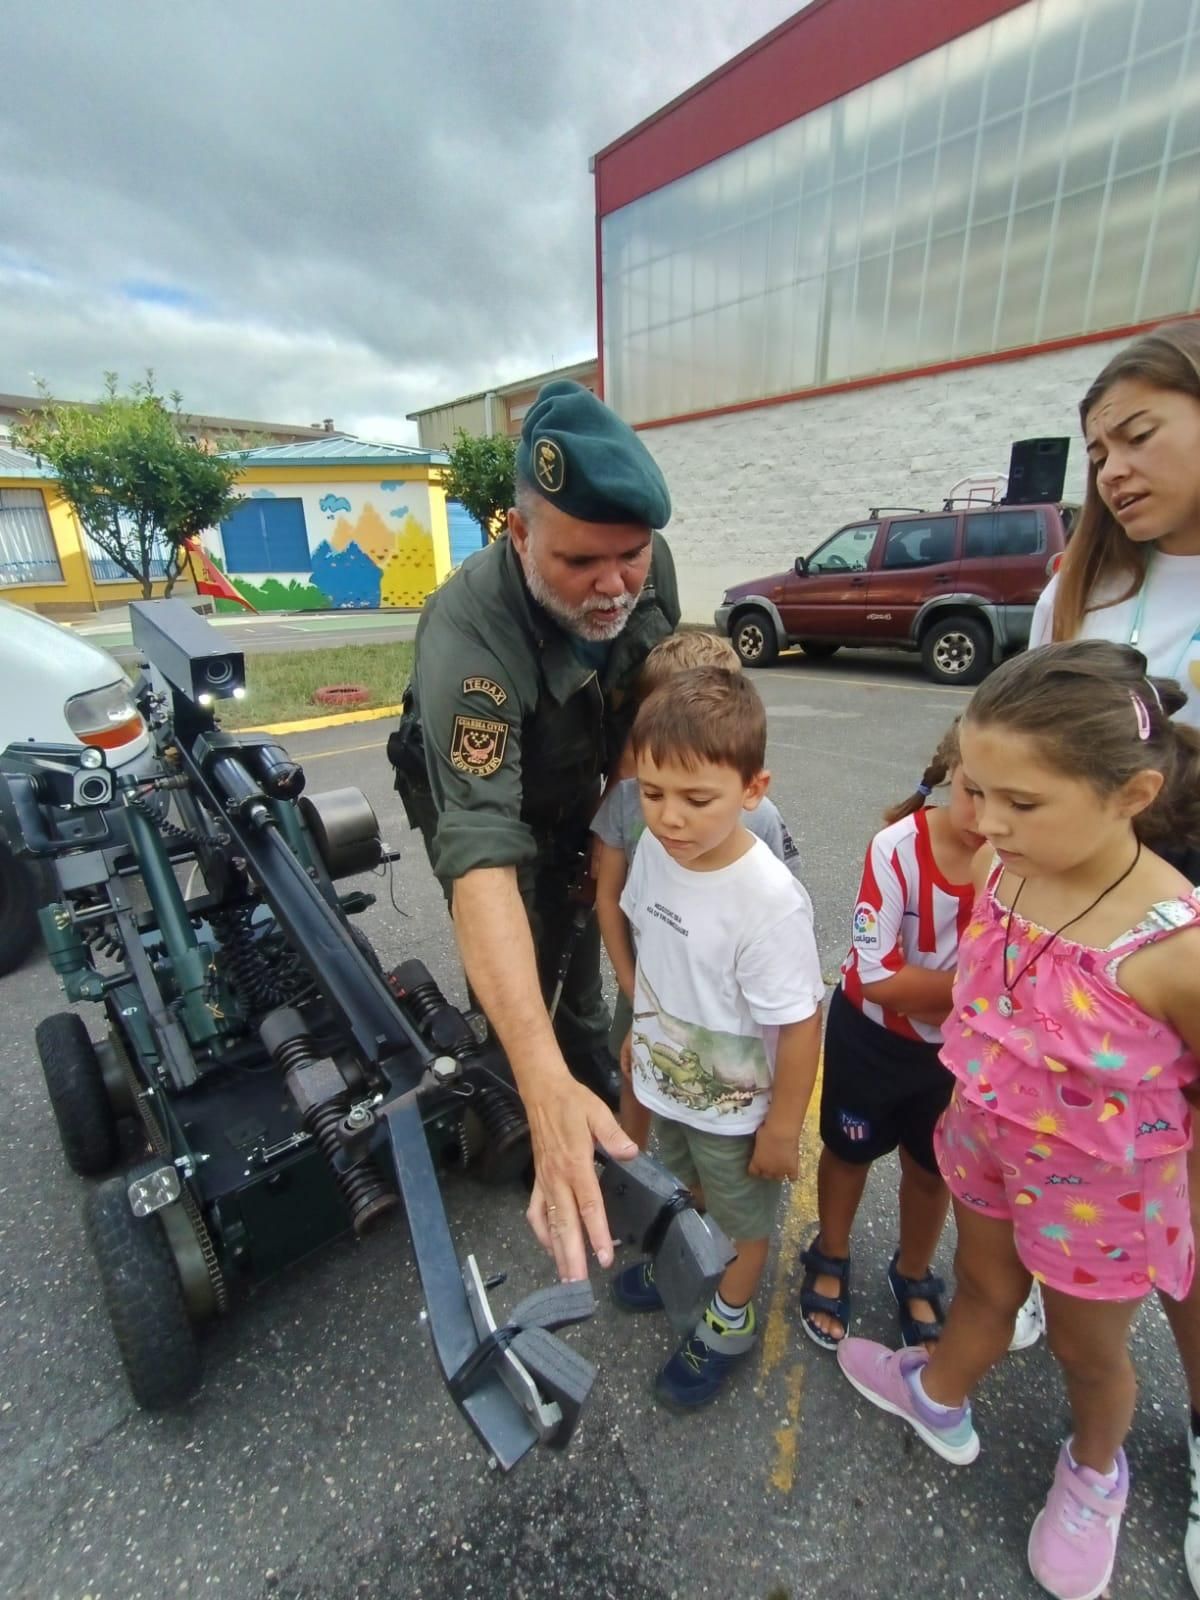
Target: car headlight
104 718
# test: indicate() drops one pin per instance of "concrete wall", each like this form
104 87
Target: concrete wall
754 489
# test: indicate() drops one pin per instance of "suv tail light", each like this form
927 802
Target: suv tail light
106 718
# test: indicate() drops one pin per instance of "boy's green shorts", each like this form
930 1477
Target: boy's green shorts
744 1207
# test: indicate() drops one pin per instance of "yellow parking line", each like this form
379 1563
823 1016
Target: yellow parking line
310 724
342 750
777 1332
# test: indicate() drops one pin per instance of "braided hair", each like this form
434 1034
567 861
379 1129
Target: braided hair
939 770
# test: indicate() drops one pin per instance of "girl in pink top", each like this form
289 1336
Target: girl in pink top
1074 1040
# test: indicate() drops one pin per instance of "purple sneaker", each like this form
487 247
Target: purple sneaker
886 1378
1073 1543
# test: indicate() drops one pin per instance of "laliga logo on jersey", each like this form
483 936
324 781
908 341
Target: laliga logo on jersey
866 926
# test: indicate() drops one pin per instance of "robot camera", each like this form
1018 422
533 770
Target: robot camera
187 651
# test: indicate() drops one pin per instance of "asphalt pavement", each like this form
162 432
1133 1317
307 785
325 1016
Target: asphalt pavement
110 629
321 1460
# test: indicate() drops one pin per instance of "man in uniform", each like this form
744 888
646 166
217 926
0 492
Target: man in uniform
520 702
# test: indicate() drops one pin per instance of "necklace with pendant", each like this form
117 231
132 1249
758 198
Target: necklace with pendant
1005 1005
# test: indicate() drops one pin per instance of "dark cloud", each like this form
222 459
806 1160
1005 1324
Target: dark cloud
296 210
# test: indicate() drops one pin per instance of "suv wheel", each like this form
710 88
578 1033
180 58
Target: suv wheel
819 649
956 650
753 638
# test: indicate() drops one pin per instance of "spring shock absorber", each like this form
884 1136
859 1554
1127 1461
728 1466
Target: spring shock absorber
322 1098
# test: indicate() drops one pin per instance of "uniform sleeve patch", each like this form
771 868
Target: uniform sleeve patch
485 686
477 745
866 926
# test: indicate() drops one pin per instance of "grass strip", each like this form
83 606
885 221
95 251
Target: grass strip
280 684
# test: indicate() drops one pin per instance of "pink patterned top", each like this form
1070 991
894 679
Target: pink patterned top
1069 1054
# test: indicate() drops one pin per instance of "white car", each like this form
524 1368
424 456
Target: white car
56 688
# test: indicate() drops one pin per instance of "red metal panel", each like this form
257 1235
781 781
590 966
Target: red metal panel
828 49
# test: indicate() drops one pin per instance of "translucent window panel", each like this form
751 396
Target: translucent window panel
925 78
759 163
751 349
1070 268
806 333
955 171
1186 134
1150 96
1059 37
1170 266
939 302
845 211
996 168
980 288
704 275
1008 63
1024 269
781 246
886 114
780 319
682 273
1042 153
966 73
839 326
727 249
1122 248
850 135
1093 128
732 186
901 348
870 314
818 150
1163 22
755 244
638 299
1106 43
787 181
914 198
660 290
728 352
879 209
812 240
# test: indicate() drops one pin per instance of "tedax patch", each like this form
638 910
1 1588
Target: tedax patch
486 686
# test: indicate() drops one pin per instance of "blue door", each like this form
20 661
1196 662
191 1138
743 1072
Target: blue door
465 533
266 536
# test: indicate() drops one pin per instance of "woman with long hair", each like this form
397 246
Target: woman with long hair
1131 575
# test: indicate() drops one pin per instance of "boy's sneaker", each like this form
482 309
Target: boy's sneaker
634 1288
1073 1543
887 1378
695 1373
1031 1321
1191 1540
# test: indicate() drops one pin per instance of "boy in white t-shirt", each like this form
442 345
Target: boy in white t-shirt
619 825
727 998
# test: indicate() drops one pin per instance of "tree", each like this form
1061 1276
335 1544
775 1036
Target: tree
139 487
481 476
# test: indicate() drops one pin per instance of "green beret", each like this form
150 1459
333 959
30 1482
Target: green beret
588 462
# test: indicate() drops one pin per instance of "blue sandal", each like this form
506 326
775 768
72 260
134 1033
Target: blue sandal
930 1288
817 1264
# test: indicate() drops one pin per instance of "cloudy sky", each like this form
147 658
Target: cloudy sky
293 211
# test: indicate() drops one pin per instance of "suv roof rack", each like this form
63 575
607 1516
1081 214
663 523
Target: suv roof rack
879 511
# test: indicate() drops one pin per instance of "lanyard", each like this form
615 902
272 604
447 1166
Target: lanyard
1139 616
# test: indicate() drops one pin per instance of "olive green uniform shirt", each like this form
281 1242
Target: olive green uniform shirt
517 729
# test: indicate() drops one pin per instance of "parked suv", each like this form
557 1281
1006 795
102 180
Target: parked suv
959 585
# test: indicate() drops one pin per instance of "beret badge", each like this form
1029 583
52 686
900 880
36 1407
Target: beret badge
549 466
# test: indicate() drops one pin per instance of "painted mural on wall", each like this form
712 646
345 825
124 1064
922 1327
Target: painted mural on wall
367 560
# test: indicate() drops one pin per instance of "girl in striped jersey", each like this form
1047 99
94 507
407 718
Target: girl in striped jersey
884 1087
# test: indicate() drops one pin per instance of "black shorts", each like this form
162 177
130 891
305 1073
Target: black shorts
879 1089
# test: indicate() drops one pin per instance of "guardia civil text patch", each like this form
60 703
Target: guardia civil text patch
477 745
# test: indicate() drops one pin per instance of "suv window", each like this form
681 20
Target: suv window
847 551
1003 533
920 543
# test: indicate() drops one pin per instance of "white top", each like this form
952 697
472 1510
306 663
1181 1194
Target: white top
724 960
620 823
908 914
1169 635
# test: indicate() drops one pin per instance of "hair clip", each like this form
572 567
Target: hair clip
924 789
1153 688
1143 716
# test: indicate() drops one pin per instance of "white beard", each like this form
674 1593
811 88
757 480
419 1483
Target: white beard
577 619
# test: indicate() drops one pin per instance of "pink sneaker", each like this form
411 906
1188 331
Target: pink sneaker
887 1379
1073 1543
